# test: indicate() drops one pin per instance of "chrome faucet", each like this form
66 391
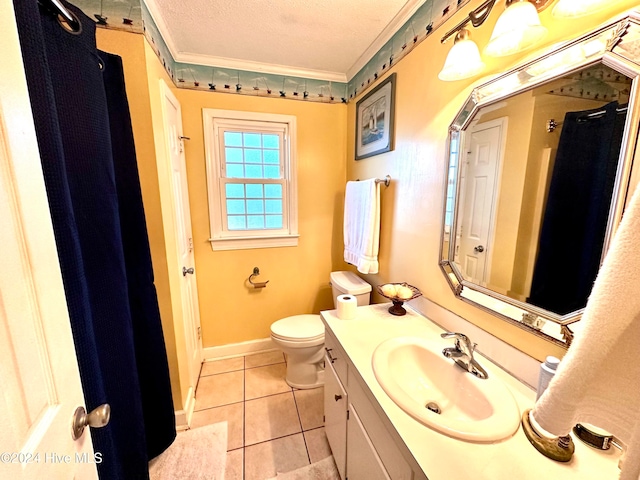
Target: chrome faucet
462 354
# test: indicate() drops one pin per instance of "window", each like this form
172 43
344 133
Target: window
251 178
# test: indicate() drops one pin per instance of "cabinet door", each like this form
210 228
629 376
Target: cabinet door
363 462
335 417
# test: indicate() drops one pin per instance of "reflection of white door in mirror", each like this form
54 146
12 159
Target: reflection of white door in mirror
582 79
484 150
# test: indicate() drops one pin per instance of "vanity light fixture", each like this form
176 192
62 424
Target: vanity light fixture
463 60
580 8
517 29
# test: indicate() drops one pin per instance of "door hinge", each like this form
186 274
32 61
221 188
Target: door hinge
347 414
324 419
199 333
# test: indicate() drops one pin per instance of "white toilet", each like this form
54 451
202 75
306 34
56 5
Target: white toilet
301 337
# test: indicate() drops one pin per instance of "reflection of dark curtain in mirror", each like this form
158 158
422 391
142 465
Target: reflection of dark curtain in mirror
575 220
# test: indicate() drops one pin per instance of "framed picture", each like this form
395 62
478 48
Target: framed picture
374 120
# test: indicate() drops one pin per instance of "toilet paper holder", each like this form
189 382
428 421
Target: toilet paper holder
256 272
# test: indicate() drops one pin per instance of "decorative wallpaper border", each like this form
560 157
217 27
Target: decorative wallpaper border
134 16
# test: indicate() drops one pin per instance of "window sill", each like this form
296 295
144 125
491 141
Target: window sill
245 243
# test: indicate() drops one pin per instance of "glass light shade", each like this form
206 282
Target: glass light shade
580 8
463 60
517 29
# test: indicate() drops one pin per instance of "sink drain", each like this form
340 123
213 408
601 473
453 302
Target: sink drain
434 407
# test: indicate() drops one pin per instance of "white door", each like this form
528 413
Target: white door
183 237
480 171
38 369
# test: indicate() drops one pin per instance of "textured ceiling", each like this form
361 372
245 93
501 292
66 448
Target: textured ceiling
324 36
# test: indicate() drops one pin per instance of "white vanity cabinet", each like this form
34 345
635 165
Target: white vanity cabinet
361 445
363 461
335 416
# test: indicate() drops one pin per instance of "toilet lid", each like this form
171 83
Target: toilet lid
299 327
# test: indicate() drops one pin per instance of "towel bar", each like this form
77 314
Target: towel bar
386 180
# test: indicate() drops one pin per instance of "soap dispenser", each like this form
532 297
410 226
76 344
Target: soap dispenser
547 371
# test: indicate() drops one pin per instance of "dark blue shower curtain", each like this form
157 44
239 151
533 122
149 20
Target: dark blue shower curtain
577 210
89 164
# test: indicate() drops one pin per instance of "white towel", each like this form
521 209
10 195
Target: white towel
362 225
598 381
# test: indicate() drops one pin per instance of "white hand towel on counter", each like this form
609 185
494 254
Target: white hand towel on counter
598 381
362 225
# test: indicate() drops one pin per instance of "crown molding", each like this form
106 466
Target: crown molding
251 66
409 9
246 65
162 27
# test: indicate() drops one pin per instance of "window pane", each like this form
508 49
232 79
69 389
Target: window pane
273 206
233 155
271 171
252 140
252 155
253 171
255 191
236 222
255 221
270 141
274 221
235 170
255 206
233 139
236 190
273 191
235 207
271 156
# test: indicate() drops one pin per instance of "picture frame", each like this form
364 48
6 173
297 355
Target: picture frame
375 115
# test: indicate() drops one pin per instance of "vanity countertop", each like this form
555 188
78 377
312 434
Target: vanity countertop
439 456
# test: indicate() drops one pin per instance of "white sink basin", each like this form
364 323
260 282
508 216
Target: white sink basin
414 373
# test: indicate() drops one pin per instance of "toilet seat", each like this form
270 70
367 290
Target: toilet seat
298 328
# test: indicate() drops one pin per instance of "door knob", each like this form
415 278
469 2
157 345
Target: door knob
186 270
479 249
98 418
337 397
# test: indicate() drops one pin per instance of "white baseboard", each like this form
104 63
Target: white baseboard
183 417
238 349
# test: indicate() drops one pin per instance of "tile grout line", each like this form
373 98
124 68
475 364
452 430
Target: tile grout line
245 400
304 439
240 369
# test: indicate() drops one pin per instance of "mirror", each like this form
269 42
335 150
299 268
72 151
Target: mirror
538 171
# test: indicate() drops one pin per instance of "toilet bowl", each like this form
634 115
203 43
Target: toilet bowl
301 337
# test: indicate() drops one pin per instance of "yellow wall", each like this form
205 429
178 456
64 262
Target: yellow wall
519 113
230 311
142 70
412 206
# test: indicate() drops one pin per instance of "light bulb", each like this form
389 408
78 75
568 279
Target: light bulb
517 29
463 60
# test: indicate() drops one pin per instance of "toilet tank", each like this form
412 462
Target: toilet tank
343 283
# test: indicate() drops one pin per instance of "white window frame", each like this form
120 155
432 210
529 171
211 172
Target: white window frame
215 121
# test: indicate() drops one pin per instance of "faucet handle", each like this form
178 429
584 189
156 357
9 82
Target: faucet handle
456 335
460 337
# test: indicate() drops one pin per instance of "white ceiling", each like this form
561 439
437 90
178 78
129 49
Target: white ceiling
324 39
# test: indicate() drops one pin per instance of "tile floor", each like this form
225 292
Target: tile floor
271 427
